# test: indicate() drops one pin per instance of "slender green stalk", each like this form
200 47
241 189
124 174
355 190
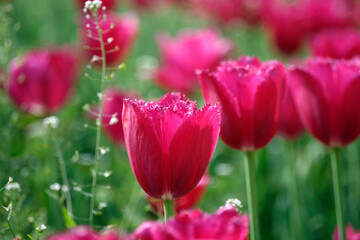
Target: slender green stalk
251 195
8 221
168 209
295 209
64 177
335 164
99 120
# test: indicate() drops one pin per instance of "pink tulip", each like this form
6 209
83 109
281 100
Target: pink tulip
42 79
119 35
169 143
182 56
286 24
290 126
336 43
224 224
326 94
187 202
148 4
350 234
112 111
250 93
109 4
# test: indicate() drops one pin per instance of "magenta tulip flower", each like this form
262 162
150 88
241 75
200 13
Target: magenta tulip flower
119 33
182 56
336 43
351 234
290 126
186 202
326 93
41 80
85 233
250 93
224 224
169 143
112 113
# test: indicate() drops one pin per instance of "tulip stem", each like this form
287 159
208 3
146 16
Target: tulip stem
168 209
251 195
98 120
335 164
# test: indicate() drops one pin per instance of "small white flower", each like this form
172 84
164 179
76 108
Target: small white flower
104 150
235 202
110 39
13 186
10 180
95 59
104 8
55 187
107 174
99 96
114 119
102 205
87 16
65 188
41 228
51 122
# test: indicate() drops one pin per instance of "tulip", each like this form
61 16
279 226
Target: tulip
290 126
182 56
119 33
84 232
224 224
326 94
112 111
41 80
287 25
336 43
187 202
250 93
169 143
109 4
148 4
350 234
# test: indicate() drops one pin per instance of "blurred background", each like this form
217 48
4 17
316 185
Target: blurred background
28 152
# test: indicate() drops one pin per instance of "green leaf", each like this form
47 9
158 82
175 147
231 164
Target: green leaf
69 222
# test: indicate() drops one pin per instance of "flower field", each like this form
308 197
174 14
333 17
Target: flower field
179 120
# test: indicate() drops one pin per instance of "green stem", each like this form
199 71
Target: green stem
7 221
295 211
168 209
64 177
335 164
98 121
251 195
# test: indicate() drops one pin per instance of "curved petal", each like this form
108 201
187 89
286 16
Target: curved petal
144 149
312 104
192 145
349 124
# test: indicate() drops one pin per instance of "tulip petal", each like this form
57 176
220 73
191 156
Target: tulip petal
144 149
310 99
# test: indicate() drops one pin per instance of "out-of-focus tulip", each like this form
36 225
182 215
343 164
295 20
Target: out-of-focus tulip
287 25
350 234
41 80
327 97
169 143
336 43
109 4
119 33
230 11
86 233
322 14
224 224
250 93
112 112
148 4
182 56
187 202
290 126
